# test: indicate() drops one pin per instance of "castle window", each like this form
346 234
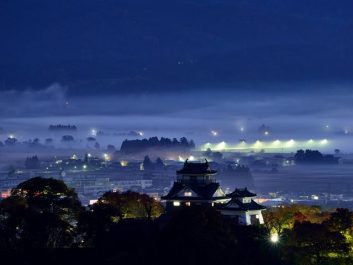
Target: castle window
188 193
176 203
187 203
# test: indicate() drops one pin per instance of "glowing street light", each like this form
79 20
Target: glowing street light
274 238
324 141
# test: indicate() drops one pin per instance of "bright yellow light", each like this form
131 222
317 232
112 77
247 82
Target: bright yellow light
221 146
106 157
207 145
176 203
324 141
124 163
257 144
290 143
274 238
277 142
191 158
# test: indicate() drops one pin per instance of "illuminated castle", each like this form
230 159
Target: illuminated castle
196 185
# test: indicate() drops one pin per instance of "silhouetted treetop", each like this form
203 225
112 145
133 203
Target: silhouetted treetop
134 146
314 156
61 127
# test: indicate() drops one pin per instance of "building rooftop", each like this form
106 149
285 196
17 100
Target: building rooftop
237 205
203 192
241 193
196 168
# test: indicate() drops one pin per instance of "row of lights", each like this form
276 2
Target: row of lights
260 144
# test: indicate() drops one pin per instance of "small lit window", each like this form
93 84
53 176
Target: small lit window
212 204
176 203
187 203
188 193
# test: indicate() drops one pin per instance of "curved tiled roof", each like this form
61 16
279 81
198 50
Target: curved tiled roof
204 192
196 168
241 193
238 205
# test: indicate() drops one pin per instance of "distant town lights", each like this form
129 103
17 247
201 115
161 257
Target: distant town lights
324 141
191 158
214 133
124 163
93 132
106 157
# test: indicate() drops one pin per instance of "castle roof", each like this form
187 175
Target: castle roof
196 168
241 193
202 192
238 205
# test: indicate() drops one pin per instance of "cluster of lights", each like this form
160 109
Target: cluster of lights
276 144
106 157
214 133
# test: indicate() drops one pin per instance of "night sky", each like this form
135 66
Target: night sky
185 67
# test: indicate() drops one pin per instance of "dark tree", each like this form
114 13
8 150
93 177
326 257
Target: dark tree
40 213
308 242
49 141
50 195
147 163
32 162
67 138
97 146
11 141
111 148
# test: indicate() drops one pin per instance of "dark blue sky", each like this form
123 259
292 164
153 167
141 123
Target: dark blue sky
112 46
179 68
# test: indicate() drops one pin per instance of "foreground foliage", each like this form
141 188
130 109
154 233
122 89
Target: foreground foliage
44 222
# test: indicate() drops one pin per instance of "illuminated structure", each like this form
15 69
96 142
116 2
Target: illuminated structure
196 185
243 208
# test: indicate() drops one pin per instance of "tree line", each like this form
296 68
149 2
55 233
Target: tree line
140 145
